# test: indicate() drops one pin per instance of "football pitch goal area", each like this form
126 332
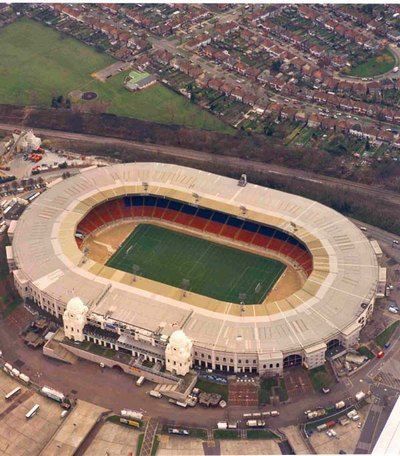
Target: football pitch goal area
197 265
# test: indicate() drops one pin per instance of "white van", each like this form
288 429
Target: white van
155 394
140 381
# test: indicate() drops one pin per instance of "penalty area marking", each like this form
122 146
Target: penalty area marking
109 248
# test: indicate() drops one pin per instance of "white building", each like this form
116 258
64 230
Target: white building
178 354
75 319
26 141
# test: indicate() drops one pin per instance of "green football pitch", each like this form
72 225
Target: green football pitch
211 269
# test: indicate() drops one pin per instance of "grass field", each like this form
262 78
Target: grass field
320 378
365 351
211 387
374 66
37 63
267 386
259 434
212 269
226 434
385 335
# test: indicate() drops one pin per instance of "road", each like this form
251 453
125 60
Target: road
200 157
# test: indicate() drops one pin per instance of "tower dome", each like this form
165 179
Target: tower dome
178 353
75 318
179 339
76 306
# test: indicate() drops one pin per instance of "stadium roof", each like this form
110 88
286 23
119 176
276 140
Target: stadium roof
389 440
345 271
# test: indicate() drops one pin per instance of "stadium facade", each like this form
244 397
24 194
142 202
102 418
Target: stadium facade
337 263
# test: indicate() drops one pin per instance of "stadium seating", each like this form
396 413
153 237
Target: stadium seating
260 240
208 220
115 210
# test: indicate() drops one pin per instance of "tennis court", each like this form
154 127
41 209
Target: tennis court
137 76
203 267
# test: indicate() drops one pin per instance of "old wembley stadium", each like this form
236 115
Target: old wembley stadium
329 299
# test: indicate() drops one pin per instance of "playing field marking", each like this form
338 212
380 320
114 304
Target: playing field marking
109 248
276 281
153 246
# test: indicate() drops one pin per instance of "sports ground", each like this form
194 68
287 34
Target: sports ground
137 76
37 63
207 268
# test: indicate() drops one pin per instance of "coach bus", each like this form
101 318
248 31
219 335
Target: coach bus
32 412
13 393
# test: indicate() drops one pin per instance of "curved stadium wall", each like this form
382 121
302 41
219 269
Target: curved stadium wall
334 303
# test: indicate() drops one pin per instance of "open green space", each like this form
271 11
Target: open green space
320 378
211 387
198 434
374 66
37 63
9 305
226 434
139 444
365 351
210 269
261 434
272 386
385 335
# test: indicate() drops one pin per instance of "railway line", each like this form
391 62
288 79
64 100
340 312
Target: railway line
204 157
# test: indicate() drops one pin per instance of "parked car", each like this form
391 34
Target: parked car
325 390
393 309
380 354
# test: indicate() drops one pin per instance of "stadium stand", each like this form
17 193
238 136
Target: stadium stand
208 220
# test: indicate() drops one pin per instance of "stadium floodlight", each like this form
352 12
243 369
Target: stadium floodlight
294 226
85 253
243 210
145 186
196 197
135 271
242 181
242 300
185 285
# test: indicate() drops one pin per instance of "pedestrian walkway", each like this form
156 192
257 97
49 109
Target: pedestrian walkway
388 379
149 436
